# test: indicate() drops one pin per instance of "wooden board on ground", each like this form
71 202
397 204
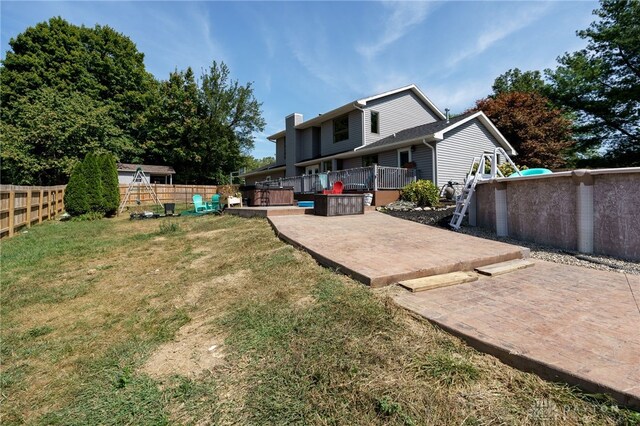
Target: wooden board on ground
437 281
504 267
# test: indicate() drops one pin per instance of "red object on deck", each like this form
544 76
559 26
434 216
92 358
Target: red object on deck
337 188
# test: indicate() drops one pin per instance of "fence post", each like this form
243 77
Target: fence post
29 208
52 206
41 200
375 177
12 202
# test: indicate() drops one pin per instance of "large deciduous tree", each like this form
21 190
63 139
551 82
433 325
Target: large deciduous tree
515 80
203 131
65 91
540 133
601 83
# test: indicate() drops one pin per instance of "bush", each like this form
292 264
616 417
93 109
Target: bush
75 196
422 192
110 185
89 216
92 176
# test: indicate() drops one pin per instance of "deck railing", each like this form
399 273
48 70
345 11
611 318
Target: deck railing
370 178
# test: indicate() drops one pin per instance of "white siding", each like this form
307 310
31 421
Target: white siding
397 112
455 153
355 135
127 177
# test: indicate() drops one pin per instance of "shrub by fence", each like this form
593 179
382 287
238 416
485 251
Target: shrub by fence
22 206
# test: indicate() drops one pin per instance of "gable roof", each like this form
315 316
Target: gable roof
435 132
160 170
361 103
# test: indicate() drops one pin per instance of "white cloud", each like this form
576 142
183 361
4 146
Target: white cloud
500 28
403 17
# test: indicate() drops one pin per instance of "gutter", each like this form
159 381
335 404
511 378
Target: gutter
434 162
364 138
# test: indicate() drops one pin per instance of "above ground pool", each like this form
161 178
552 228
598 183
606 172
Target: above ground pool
531 172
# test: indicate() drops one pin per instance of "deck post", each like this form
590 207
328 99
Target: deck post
375 177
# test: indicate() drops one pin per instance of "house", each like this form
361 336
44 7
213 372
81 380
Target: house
400 129
155 174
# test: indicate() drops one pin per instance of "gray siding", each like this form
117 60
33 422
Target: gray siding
388 158
423 159
456 152
352 163
280 151
305 144
355 135
397 112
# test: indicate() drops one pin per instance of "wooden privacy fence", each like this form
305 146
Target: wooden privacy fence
25 205
168 193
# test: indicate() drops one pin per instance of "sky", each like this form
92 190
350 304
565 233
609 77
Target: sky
312 57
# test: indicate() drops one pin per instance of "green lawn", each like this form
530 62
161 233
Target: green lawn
213 320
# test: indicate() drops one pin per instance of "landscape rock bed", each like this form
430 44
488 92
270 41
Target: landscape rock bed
441 217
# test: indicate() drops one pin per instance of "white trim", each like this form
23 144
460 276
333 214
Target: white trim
434 162
408 149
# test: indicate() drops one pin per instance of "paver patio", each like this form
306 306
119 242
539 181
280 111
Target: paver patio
567 323
378 249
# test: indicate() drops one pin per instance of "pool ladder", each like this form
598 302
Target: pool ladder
476 174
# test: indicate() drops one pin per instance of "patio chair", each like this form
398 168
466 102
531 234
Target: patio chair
215 206
234 201
199 206
336 189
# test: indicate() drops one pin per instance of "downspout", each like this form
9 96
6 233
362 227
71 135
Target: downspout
434 164
364 138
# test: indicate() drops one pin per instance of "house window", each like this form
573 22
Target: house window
341 129
404 157
369 160
375 126
326 166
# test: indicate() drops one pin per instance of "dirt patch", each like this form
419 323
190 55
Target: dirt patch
193 352
196 290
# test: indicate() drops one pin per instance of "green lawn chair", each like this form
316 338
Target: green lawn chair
200 207
216 207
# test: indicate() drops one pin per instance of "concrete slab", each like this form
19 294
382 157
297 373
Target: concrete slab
437 281
504 267
564 323
378 249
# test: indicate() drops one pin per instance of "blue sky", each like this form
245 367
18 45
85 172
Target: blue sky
310 57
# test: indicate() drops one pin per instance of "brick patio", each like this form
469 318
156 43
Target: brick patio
378 249
566 323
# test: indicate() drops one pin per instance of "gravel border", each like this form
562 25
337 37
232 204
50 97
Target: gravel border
441 218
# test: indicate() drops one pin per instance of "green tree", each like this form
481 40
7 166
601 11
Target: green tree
230 117
58 74
515 80
202 131
75 195
252 163
93 180
51 131
110 185
540 133
601 83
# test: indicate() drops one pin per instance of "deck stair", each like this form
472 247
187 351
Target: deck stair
477 174
504 267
